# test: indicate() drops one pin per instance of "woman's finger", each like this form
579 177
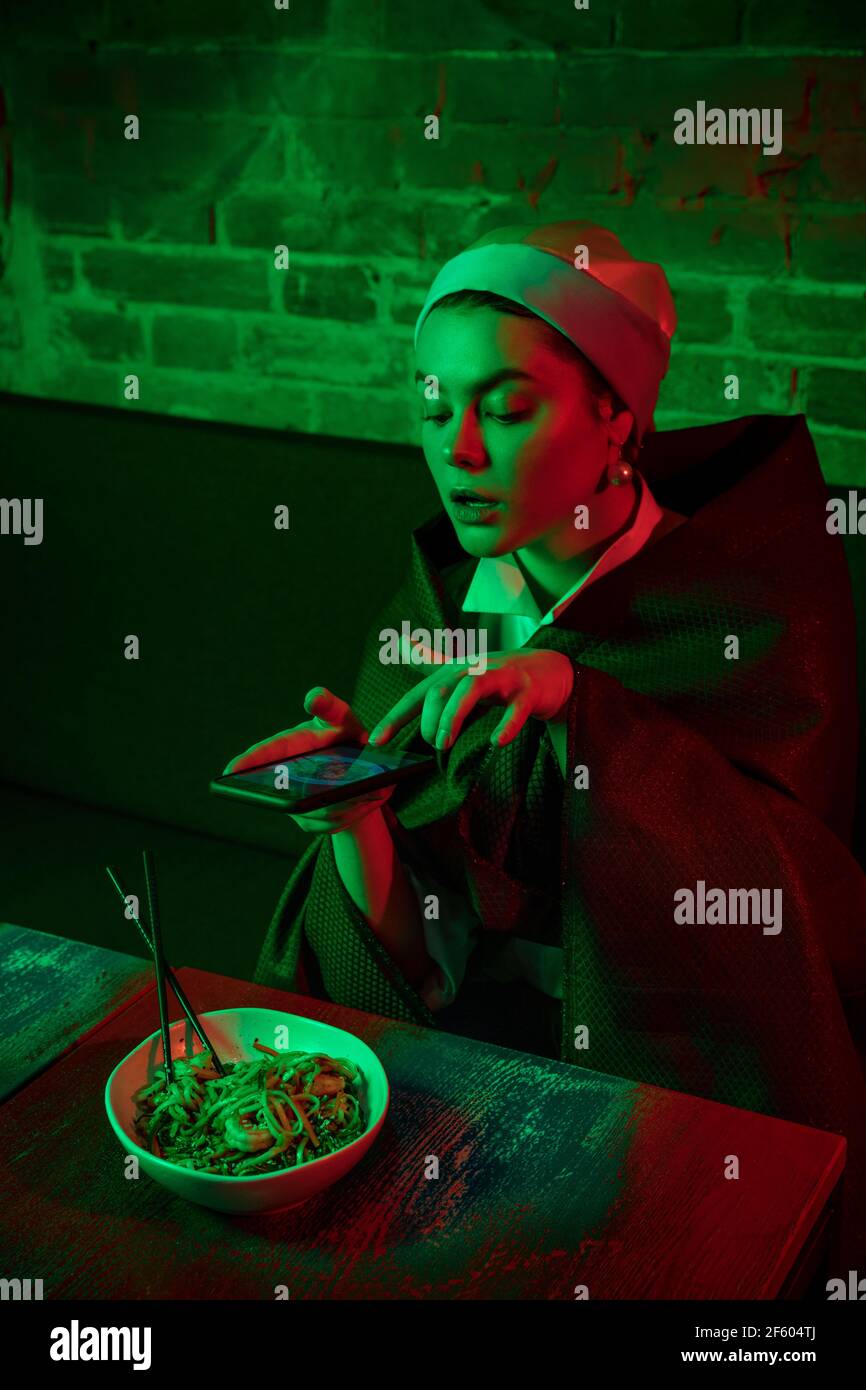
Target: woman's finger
330 709
405 709
438 697
515 717
464 698
332 720
303 738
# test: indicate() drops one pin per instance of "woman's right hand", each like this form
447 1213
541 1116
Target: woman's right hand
333 722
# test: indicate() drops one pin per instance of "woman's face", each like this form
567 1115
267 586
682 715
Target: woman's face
521 427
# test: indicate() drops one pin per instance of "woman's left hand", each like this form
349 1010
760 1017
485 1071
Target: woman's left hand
534 682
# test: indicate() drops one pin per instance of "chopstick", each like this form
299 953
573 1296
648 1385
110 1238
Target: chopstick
172 979
158 959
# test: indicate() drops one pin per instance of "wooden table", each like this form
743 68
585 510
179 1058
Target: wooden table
550 1177
53 991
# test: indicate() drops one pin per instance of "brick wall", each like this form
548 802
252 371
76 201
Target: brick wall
306 127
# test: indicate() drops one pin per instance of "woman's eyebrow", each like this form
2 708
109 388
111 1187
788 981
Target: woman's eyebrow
504 374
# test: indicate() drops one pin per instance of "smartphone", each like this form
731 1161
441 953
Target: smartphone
309 780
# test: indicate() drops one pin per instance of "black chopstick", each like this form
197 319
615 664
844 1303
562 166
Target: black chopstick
172 980
158 959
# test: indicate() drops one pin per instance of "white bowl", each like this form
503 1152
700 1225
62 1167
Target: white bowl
232 1032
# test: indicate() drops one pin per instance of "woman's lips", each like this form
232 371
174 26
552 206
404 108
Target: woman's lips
472 507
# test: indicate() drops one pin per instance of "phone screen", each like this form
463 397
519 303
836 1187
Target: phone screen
323 776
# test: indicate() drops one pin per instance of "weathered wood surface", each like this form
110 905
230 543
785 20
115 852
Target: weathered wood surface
52 991
550 1177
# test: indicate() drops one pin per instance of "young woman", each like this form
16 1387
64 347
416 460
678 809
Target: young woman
634 853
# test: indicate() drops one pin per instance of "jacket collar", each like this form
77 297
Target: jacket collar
731 481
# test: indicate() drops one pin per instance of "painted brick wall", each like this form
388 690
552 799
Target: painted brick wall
305 126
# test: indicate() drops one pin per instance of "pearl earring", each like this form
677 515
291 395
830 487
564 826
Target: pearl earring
619 473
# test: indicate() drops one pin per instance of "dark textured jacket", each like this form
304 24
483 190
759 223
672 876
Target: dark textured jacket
736 772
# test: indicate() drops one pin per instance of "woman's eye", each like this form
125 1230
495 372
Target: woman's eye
509 418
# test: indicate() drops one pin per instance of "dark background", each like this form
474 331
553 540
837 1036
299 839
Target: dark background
164 528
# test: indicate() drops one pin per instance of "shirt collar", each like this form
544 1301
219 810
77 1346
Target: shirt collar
498 584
